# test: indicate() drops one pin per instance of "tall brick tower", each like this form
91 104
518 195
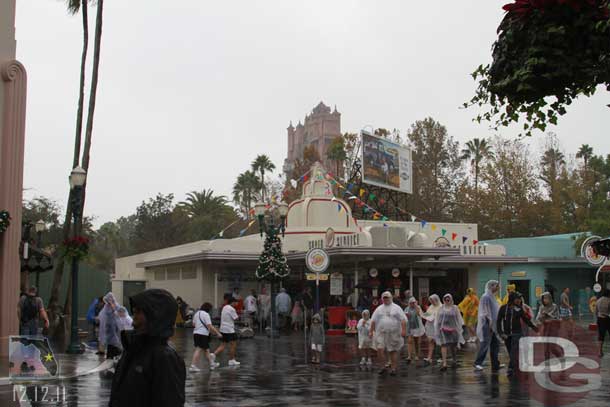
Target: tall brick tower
321 126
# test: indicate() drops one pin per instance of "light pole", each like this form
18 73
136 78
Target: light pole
77 180
40 227
272 269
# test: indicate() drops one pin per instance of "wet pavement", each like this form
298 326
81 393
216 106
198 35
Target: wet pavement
275 373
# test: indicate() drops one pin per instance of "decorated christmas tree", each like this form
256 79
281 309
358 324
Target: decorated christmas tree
272 264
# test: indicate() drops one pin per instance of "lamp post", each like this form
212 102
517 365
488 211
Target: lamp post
40 227
77 180
269 269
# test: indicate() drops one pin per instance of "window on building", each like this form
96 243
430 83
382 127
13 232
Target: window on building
189 272
173 273
159 273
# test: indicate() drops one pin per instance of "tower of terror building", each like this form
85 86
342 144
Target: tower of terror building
321 126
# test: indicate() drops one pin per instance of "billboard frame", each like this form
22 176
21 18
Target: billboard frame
381 184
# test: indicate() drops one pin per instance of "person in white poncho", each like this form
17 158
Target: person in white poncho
429 316
448 328
365 343
415 329
388 329
486 327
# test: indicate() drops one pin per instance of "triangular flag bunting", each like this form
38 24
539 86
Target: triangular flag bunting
371 197
411 234
365 210
413 218
384 218
339 207
381 201
423 223
241 232
349 186
385 225
293 182
453 236
444 231
221 233
474 242
433 227
351 197
464 238
361 192
305 178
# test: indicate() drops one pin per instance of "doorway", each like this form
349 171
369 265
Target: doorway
523 287
131 288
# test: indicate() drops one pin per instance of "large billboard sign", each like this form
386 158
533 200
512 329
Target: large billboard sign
386 164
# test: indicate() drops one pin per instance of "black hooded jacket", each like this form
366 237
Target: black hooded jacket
150 372
511 316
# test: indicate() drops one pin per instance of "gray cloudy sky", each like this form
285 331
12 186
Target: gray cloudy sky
190 91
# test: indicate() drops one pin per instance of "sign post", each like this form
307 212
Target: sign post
317 261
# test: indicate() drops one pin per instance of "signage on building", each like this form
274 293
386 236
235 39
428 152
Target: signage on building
373 273
597 288
317 276
336 284
332 239
591 256
395 272
317 260
476 250
519 273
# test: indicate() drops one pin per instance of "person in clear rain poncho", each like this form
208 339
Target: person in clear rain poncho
110 330
487 327
429 316
388 328
448 328
415 329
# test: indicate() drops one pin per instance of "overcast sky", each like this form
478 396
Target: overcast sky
191 91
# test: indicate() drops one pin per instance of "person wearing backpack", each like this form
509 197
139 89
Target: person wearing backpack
30 310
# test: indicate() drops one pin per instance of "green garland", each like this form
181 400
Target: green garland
5 221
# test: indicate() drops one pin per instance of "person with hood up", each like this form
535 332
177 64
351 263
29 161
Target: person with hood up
448 327
487 326
388 328
429 316
509 327
110 331
125 321
549 322
470 310
365 344
415 329
317 338
150 372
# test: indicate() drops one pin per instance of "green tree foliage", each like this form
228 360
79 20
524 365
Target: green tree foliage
246 191
208 214
261 164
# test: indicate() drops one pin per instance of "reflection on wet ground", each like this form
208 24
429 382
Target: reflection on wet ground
276 373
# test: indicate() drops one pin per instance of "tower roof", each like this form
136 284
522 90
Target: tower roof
321 108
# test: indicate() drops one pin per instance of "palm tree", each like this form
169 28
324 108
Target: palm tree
203 203
585 152
552 161
73 7
244 190
476 151
261 164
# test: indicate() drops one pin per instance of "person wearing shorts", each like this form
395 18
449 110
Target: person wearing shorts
201 337
602 309
388 329
228 316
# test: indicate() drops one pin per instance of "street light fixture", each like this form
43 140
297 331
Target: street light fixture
78 176
40 227
266 215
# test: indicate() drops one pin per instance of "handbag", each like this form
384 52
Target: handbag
448 330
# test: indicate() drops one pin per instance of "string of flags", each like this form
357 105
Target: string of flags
366 208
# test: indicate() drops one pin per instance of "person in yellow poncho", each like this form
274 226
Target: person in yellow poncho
509 289
470 311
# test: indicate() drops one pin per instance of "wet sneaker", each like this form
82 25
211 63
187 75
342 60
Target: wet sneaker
212 357
214 365
500 366
234 362
478 367
194 368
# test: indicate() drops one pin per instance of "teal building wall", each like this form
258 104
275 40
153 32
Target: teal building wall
552 264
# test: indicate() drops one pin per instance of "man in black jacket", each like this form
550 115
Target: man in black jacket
510 329
150 372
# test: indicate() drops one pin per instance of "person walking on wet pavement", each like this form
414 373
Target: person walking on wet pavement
264 307
283 306
110 331
509 327
565 309
365 343
549 322
228 316
150 372
388 329
201 337
317 338
430 316
448 328
415 329
30 311
251 308
487 327
602 310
